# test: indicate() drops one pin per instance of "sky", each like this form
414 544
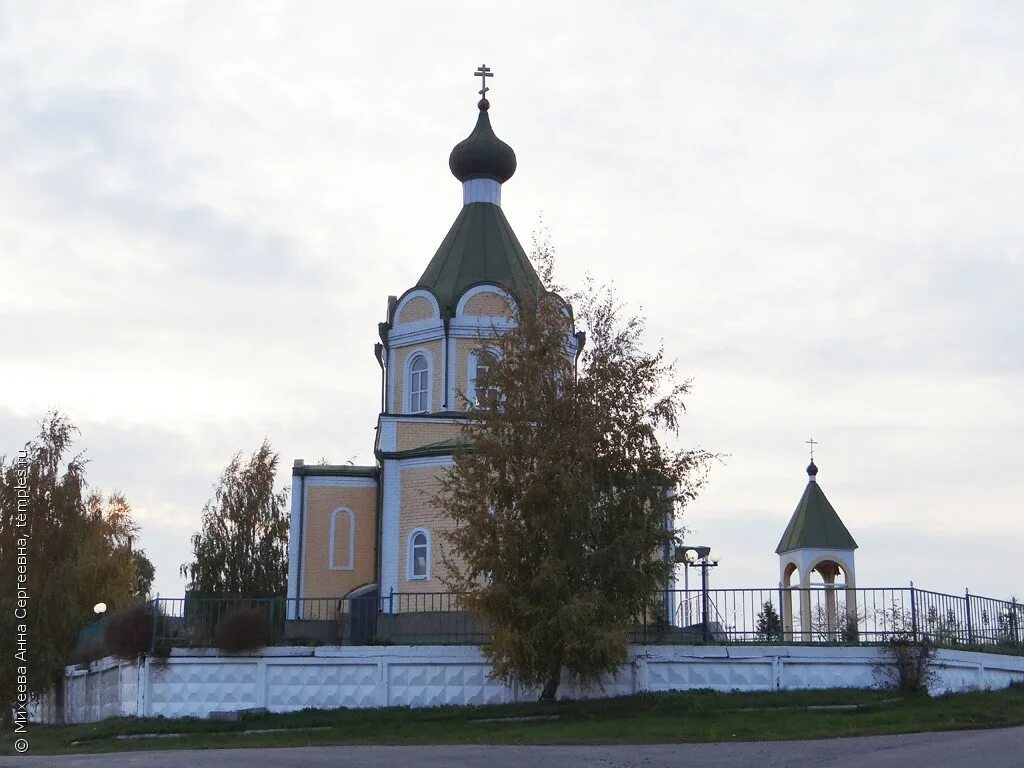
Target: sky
816 206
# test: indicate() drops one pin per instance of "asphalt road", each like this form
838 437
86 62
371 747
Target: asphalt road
999 748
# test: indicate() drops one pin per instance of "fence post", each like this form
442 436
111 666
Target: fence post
391 601
1014 628
782 620
970 629
704 621
913 610
156 611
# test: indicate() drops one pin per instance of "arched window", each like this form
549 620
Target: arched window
418 566
419 384
481 392
343 540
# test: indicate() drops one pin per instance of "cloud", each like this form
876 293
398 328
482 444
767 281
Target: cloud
203 210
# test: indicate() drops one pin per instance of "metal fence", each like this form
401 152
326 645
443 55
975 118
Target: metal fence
776 615
841 615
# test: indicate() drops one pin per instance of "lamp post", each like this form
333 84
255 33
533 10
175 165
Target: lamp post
710 560
703 558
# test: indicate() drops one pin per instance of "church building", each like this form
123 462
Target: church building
361 530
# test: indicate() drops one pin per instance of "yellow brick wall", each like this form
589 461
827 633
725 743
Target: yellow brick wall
401 356
487 304
418 484
417 309
415 434
318 580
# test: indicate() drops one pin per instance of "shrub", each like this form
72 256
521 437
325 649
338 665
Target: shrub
244 629
908 664
908 656
92 649
769 625
129 633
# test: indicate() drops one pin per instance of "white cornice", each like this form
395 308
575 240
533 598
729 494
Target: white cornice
333 482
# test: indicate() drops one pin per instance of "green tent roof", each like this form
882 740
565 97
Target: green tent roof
479 248
815 524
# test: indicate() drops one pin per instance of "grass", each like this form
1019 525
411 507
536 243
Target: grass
646 718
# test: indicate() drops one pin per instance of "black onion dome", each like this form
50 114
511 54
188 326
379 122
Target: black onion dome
482 155
812 469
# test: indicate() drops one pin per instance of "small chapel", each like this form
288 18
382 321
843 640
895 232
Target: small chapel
816 545
364 530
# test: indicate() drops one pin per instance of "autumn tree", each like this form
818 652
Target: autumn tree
73 544
561 494
242 547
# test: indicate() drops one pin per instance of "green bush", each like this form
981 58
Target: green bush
244 629
128 633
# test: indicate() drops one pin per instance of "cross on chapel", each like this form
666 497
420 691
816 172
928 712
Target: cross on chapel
483 72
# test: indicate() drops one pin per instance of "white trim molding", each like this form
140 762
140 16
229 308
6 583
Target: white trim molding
426 461
390 375
391 498
410 556
347 565
294 547
417 294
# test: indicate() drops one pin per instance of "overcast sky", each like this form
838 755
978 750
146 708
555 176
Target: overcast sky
204 206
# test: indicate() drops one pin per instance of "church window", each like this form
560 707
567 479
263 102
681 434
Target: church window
419 384
418 566
342 540
479 367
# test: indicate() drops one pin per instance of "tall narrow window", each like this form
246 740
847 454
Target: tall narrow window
419 555
483 393
343 540
419 385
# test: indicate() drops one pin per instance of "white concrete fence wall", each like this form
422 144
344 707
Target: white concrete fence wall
196 682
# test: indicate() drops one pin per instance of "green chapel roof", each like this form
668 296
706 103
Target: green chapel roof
479 248
815 524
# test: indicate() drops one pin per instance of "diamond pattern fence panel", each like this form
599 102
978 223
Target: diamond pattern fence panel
323 686
435 684
198 687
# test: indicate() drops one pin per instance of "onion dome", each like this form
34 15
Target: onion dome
812 469
482 155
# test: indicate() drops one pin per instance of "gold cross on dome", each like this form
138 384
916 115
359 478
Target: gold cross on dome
483 72
812 442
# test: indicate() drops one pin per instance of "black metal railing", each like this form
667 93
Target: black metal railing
816 615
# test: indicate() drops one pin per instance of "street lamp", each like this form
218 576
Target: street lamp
99 608
703 558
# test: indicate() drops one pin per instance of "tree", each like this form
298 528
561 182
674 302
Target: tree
242 547
769 625
560 496
145 573
72 545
